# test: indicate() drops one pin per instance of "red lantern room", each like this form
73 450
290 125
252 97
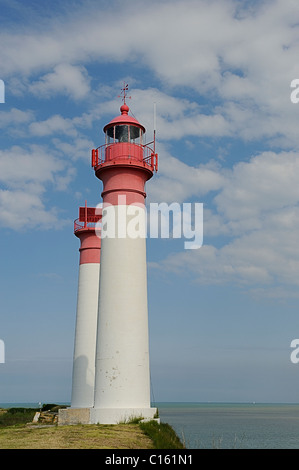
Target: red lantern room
124 143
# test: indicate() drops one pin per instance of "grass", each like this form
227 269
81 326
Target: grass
90 436
18 432
162 435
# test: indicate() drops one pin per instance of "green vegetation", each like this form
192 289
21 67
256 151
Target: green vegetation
52 407
162 435
16 416
88 436
18 432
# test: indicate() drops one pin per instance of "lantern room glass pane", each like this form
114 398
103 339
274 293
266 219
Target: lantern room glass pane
110 135
135 134
122 133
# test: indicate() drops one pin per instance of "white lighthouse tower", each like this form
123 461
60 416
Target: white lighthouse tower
122 373
87 307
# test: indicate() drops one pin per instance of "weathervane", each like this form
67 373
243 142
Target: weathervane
123 92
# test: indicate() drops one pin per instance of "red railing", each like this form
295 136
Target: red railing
79 225
88 217
119 152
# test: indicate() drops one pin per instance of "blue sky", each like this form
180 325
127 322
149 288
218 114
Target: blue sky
221 317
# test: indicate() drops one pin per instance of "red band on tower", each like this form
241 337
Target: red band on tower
86 229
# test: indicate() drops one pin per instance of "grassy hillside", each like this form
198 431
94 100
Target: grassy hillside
122 436
18 432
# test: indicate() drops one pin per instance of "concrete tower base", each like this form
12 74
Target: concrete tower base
104 415
69 416
120 415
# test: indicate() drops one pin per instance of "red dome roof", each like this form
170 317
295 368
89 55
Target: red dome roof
124 118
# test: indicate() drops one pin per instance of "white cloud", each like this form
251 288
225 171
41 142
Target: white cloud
55 124
78 148
241 59
267 182
25 176
257 208
22 210
18 166
177 181
15 117
238 62
65 78
258 259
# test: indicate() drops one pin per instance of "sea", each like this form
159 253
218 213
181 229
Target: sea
227 425
233 425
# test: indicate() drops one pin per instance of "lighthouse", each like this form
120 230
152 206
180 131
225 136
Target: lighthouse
124 163
85 228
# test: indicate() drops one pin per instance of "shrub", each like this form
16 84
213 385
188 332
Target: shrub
48 407
162 435
15 416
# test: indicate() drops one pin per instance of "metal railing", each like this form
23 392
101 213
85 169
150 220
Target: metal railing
131 153
79 225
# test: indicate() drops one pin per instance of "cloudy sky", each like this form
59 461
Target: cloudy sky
221 317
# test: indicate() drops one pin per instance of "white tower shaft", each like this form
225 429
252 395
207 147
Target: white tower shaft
85 336
122 382
87 308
